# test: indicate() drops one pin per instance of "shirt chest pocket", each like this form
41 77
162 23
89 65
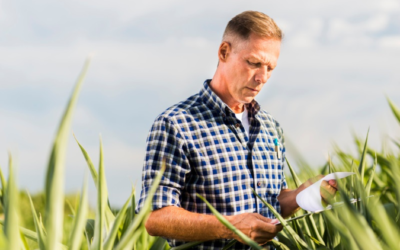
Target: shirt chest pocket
272 166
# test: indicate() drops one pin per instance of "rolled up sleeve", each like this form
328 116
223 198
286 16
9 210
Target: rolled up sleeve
165 146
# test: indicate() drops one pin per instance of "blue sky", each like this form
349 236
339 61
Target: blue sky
338 60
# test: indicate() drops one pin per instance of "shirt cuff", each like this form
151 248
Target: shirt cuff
163 197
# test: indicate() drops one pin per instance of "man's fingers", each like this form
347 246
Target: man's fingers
274 221
326 185
333 183
328 191
267 220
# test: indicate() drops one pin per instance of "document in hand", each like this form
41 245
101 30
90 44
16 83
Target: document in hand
310 198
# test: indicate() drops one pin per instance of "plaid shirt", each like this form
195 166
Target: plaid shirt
208 152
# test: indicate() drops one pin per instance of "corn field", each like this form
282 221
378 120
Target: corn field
370 221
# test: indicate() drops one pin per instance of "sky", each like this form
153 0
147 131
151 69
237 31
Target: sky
338 61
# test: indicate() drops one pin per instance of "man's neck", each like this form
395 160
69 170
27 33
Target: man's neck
220 89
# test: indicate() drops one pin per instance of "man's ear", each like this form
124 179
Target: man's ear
225 49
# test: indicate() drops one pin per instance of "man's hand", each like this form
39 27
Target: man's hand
287 197
255 226
328 188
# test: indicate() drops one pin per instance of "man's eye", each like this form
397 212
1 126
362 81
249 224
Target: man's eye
254 64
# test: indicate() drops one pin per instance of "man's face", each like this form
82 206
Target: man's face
249 66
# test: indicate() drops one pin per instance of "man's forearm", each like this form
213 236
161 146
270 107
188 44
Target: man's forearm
177 223
287 200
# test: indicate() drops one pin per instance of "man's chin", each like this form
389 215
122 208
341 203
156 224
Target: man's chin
249 98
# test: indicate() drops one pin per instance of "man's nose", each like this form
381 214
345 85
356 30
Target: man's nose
262 75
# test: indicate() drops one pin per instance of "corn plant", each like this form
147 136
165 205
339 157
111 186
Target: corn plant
110 230
371 223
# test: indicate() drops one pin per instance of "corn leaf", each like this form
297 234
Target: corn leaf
394 108
109 242
188 245
128 238
356 224
371 178
230 244
361 168
109 214
11 208
75 239
89 162
89 231
226 223
101 204
38 226
3 186
55 172
294 175
295 237
278 245
158 244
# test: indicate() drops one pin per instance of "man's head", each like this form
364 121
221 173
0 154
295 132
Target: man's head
247 55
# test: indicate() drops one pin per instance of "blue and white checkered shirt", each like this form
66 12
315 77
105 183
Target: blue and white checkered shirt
208 152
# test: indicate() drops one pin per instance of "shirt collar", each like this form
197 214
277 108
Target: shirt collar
213 102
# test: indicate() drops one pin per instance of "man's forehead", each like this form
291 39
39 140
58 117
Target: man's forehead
262 56
261 50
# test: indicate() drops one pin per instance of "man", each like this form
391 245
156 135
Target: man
220 144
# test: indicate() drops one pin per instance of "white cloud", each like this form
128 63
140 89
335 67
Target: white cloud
337 61
388 5
389 42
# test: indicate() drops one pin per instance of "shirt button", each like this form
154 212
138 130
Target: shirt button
237 125
259 184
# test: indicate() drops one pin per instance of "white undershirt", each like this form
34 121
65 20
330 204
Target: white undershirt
244 118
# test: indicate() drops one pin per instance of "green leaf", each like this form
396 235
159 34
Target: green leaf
55 172
28 234
295 237
394 109
101 204
338 227
362 161
278 245
319 243
11 208
296 179
3 186
75 239
89 231
356 223
159 244
371 178
24 243
188 245
109 242
130 215
226 223
229 245
128 239
109 214
38 226
332 168
314 231
89 161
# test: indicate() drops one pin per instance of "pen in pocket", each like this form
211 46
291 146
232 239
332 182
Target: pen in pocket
277 149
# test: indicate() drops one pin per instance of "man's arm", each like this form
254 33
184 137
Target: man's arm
287 197
177 223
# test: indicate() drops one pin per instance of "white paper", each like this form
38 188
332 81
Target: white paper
310 198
